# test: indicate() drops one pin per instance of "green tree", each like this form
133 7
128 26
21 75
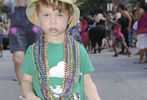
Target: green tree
4 9
92 5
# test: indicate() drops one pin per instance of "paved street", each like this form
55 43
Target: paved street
9 89
116 78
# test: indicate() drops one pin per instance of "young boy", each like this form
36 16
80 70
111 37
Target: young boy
56 67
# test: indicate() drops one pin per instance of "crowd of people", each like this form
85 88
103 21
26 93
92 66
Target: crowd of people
40 41
117 29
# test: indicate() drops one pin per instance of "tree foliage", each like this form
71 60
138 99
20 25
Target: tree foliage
4 9
91 5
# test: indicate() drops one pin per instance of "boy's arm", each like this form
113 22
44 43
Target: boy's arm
90 89
27 89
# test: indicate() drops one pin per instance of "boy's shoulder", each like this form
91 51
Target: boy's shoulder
30 48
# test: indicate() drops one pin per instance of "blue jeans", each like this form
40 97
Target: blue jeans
131 35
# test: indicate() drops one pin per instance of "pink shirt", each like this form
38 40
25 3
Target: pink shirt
117 32
142 24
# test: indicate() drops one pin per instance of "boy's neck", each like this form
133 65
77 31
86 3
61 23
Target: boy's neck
55 39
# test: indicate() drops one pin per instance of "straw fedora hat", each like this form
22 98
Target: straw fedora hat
32 14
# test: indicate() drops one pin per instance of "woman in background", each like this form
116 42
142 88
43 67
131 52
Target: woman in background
141 17
1 42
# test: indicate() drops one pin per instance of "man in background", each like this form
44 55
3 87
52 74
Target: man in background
21 32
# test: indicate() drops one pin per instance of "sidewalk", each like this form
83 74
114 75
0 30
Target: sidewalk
9 89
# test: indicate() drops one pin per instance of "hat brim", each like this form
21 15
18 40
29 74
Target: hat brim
32 14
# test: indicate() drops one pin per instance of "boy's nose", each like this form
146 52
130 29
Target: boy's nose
53 20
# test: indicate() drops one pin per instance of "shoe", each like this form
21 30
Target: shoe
99 50
145 61
138 53
15 79
115 55
22 98
138 62
130 55
94 51
126 53
121 52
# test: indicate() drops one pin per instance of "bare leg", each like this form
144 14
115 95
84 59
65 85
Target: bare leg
104 43
126 47
18 58
114 48
142 52
145 55
138 53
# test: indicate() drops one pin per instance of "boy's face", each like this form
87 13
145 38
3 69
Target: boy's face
52 21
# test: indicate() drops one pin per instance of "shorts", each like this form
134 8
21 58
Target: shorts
22 33
120 39
142 41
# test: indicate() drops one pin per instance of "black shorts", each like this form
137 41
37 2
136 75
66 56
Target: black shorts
22 33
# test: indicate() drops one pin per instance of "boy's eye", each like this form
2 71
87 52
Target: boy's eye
46 14
60 15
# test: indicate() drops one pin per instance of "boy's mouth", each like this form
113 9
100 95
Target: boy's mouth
53 30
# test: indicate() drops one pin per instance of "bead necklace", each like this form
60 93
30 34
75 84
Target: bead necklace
71 68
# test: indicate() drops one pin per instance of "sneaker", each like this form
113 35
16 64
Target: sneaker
15 79
130 55
145 61
115 55
22 98
121 52
138 62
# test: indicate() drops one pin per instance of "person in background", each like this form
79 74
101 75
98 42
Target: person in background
141 17
22 33
90 20
1 42
83 31
119 37
126 22
135 25
132 31
75 32
98 33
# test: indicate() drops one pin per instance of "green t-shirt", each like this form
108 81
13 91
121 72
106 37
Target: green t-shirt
56 63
